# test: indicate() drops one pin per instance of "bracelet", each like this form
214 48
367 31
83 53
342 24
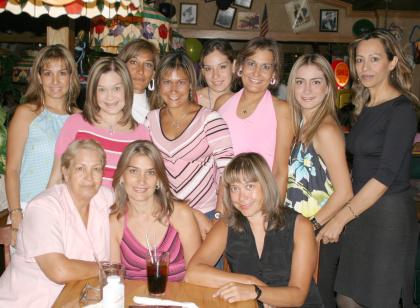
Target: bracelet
347 205
315 224
14 210
258 291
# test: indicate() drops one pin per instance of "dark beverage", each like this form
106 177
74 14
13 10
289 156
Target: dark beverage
157 276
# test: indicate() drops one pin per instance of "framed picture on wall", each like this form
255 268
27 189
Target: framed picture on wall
225 18
243 3
328 20
188 14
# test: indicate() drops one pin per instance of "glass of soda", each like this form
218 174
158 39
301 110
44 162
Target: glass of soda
157 272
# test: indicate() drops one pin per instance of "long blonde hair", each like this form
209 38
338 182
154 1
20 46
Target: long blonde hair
306 132
400 78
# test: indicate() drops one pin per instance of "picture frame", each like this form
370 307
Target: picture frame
300 15
188 14
248 21
328 20
225 18
243 3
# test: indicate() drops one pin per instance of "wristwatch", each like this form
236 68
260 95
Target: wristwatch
217 215
258 291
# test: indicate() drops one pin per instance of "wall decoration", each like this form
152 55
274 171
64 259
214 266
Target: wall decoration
300 15
188 15
328 20
225 18
243 3
248 21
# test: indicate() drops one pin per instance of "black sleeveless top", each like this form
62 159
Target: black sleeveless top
274 267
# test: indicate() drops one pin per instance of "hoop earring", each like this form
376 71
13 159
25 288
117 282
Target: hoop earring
239 73
157 186
273 81
151 85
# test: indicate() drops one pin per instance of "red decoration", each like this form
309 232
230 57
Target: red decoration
75 7
341 73
163 31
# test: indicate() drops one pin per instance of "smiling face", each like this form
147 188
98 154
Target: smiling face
258 70
247 197
55 80
110 94
310 88
174 88
140 179
372 64
218 71
141 68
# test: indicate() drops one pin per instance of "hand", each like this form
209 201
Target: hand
16 219
330 233
204 224
234 292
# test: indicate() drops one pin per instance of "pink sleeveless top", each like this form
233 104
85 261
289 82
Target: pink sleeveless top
133 254
256 133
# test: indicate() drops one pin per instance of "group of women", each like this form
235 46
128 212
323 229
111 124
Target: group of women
234 169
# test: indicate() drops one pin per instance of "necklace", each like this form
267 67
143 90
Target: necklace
176 123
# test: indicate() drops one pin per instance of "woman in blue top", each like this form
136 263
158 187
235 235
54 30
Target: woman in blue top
34 128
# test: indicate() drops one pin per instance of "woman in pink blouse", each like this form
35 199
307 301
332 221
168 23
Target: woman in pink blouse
64 233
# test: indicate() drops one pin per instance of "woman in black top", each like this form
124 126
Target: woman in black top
271 250
379 243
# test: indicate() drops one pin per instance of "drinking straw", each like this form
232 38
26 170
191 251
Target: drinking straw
148 248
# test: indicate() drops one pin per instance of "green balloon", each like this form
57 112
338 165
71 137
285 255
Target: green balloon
362 26
193 48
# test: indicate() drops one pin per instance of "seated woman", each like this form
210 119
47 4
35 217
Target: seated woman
146 213
271 250
65 232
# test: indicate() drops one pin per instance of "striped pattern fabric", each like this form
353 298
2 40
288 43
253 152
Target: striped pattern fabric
114 143
133 255
196 159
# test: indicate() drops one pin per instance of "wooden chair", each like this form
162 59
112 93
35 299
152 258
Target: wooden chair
6 239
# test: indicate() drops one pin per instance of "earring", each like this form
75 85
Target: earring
157 186
190 97
151 85
273 81
239 73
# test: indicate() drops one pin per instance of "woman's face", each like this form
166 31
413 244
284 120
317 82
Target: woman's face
141 68
247 197
84 175
140 179
217 71
258 70
372 65
110 93
55 80
174 88
310 87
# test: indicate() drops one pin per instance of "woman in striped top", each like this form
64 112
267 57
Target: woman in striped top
147 215
106 117
194 141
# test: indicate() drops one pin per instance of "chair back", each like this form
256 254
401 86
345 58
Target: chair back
6 239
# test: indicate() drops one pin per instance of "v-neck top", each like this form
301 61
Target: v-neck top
274 265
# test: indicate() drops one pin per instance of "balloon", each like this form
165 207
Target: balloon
193 48
167 9
362 26
223 4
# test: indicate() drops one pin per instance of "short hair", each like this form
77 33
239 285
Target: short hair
102 66
134 47
261 43
253 167
35 92
400 78
173 61
163 194
74 148
327 106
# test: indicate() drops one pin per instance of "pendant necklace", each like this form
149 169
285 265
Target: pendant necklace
176 124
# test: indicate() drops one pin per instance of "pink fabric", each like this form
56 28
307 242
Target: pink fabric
256 133
133 255
52 224
114 143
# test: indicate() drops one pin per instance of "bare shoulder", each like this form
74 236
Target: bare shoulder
202 92
328 131
221 100
116 225
25 114
280 106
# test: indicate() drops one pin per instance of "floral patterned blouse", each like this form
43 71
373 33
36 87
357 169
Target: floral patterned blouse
309 185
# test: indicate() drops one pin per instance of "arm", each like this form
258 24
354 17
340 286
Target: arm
61 270
184 222
17 136
56 177
116 230
200 269
284 139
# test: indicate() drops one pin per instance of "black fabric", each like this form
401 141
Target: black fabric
274 266
378 249
329 255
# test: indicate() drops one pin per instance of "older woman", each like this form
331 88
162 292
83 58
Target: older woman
65 232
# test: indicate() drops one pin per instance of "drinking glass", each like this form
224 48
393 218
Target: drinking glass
157 272
112 283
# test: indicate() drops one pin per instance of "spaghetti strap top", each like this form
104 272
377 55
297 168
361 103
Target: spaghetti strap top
256 133
133 254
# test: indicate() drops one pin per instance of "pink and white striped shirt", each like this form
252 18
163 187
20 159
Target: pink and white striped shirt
196 159
114 143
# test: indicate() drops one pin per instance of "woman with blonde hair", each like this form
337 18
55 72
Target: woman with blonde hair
319 181
146 215
32 133
378 249
106 117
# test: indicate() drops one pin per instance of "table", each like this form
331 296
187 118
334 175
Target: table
179 291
